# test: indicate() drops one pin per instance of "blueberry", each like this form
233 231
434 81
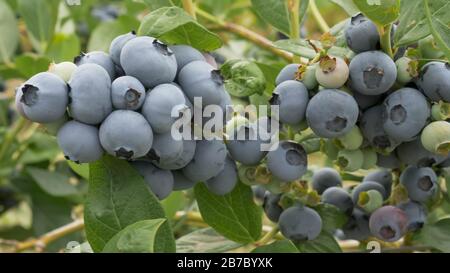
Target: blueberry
388 161
187 154
388 223
407 70
367 186
127 93
272 207
64 70
100 58
126 134
405 113
332 72
371 125
292 98
300 224
165 149
224 182
413 153
372 73
357 226
339 198
186 54
416 214
43 98
288 73
181 182
421 183
429 49
90 93
362 34
199 79
436 137
159 105
52 128
159 181
80 142
148 60
306 75
325 178
382 177
288 161
208 161
332 113
365 101
349 160
117 44
259 193
247 151
433 81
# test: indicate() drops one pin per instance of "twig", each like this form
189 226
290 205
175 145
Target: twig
268 236
293 6
9 138
189 7
323 25
385 34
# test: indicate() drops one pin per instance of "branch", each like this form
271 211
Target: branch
189 7
318 17
385 40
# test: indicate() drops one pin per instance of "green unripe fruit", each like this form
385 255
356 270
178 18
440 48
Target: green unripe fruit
63 70
440 111
350 161
352 140
370 200
407 70
436 137
370 159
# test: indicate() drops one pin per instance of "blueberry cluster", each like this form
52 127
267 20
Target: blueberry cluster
371 111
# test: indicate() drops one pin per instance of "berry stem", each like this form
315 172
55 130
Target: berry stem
189 7
294 18
9 138
267 237
385 34
323 25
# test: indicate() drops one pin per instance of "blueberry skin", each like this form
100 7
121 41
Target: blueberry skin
372 73
421 183
187 154
248 151
127 93
148 60
186 54
339 198
159 181
389 161
181 182
224 182
117 44
288 73
80 142
43 98
416 214
208 161
362 34
357 226
100 58
382 177
325 178
292 97
272 207
388 223
433 81
332 113
199 79
165 149
413 153
159 104
288 162
405 113
126 134
372 128
365 101
90 93
300 224
367 186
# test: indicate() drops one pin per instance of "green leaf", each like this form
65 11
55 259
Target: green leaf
347 5
40 147
324 243
64 47
105 32
29 65
438 18
117 198
9 31
53 183
40 18
135 238
205 241
284 246
436 235
173 203
156 4
80 169
381 12
243 78
332 217
298 47
234 215
174 26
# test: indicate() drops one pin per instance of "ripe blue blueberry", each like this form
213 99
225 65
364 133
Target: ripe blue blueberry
247 151
388 161
159 181
382 177
187 154
43 98
127 93
186 54
416 214
117 44
148 60
362 34
332 113
224 182
421 183
292 98
325 178
433 81
165 149
371 125
90 93
339 198
372 73
413 153
288 162
300 224
272 207
100 58
181 182
357 226
80 142
365 101
388 223
288 73
126 134
293 72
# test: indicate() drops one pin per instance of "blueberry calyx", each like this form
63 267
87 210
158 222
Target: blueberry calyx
78 58
132 97
387 232
217 77
425 183
124 153
337 124
162 48
29 96
152 155
373 77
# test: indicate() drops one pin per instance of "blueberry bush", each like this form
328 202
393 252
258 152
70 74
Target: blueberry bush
136 126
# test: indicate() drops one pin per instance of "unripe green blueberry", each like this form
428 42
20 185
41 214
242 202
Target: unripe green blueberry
352 140
370 200
440 111
370 159
308 76
332 72
407 70
350 161
429 49
436 137
247 175
63 69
